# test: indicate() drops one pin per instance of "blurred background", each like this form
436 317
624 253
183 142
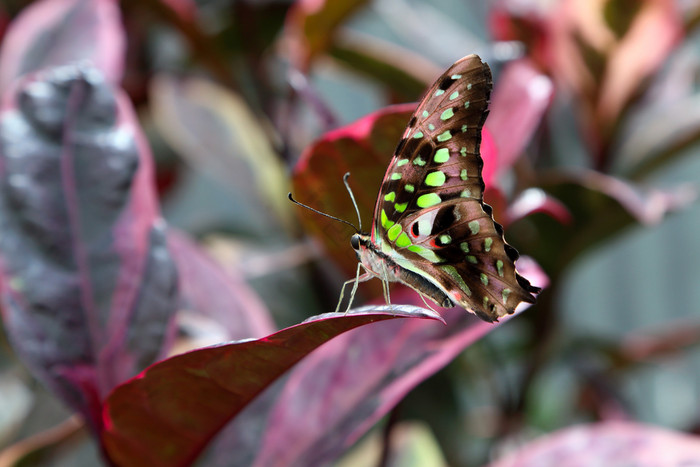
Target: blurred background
598 142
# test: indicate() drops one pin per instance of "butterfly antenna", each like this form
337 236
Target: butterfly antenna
352 197
321 213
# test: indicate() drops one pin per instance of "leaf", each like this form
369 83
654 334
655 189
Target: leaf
520 99
88 283
214 130
607 64
608 443
210 291
59 32
405 73
150 424
311 25
333 397
600 206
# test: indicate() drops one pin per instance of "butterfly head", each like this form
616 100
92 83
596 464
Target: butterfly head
359 241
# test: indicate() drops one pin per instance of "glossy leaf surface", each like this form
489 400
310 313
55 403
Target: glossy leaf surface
169 413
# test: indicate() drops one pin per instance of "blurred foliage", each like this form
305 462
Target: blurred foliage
614 336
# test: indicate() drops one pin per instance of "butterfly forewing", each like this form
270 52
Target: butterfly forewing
430 217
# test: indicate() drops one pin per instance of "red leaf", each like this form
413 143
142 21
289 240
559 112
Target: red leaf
168 414
59 32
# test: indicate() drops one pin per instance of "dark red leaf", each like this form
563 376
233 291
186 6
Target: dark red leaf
59 32
88 284
168 414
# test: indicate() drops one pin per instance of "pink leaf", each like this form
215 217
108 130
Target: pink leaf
607 444
520 99
59 32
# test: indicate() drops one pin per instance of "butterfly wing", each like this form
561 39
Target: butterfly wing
430 217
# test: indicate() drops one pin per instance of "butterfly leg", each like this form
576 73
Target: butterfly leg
427 304
385 287
358 278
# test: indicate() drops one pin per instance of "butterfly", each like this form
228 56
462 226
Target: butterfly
431 229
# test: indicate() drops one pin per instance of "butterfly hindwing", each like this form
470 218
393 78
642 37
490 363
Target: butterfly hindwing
430 217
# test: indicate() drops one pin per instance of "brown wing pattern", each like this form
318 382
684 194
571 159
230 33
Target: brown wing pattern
430 207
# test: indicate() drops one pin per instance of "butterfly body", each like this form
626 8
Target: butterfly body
431 229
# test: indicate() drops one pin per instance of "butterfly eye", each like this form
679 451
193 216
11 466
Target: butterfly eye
355 242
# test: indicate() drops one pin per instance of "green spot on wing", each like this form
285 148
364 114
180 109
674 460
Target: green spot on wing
464 246
452 271
393 232
445 239
419 161
474 227
484 279
390 196
410 188
472 259
447 114
386 223
466 104
463 174
403 241
436 178
418 134
487 244
463 151
464 128
400 207
431 127
425 113
427 200
499 267
425 253
454 95
442 155
504 294
467 193
456 76
401 162
439 92
444 136
396 176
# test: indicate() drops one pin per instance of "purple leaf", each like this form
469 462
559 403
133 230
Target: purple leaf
59 32
88 283
169 413
610 443
209 290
